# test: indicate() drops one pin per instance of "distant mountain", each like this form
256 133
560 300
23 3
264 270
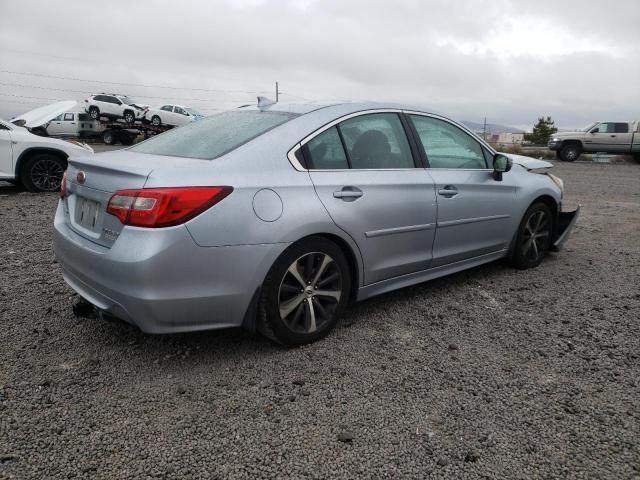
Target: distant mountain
492 128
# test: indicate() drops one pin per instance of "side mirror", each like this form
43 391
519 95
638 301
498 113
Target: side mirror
501 164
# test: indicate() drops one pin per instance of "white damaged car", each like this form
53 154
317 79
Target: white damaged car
36 162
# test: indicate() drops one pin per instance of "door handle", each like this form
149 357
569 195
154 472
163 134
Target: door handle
348 194
612 136
448 191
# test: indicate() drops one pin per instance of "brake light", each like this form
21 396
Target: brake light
163 207
63 185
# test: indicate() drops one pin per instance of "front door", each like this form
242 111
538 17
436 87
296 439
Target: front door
474 209
365 175
609 137
6 153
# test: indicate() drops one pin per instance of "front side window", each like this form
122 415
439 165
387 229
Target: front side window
376 141
447 146
213 136
179 110
325 152
604 128
57 119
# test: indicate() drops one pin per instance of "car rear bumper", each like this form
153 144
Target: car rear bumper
160 280
566 222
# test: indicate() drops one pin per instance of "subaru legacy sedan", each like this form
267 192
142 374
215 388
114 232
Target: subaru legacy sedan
276 217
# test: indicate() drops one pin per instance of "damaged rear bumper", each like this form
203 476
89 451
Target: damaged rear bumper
566 221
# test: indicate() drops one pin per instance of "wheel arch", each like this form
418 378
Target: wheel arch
29 152
573 141
354 266
553 205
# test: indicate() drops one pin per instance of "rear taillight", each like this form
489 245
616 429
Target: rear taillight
63 185
163 207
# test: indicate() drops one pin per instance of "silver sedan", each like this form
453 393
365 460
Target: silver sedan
276 217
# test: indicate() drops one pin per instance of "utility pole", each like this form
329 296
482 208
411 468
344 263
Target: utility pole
277 92
484 129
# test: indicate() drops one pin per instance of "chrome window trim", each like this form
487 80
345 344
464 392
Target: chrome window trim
291 154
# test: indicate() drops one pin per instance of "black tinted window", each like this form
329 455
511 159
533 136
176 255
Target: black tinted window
621 128
325 152
213 136
100 98
376 141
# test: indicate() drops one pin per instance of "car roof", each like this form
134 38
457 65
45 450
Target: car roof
302 108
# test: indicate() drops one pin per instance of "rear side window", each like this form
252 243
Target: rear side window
621 128
68 117
214 136
325 152
166 108
376 141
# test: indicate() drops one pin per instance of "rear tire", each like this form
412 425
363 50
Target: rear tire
534 237
570 153
305 293
43 172
94 113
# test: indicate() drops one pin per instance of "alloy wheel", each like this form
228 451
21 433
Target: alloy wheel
536 235
46 174
310 292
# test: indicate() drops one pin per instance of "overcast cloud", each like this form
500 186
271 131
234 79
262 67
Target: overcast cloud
509 60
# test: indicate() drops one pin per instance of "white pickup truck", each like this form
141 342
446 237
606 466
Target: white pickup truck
607 137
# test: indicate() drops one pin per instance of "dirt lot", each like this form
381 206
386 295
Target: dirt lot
492 373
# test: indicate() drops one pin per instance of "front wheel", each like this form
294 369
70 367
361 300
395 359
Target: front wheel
129 117
570 153
155 121
94 113
43 173
305 292
534 237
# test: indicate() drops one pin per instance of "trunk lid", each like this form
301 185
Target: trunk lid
91 181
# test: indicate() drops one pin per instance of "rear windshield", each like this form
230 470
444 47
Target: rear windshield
213 136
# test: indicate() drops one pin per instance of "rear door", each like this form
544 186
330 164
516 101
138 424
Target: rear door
69 124
6 153
365 174
474 210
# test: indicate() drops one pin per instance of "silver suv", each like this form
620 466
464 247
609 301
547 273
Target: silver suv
114 107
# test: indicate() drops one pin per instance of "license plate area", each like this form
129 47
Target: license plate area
87 212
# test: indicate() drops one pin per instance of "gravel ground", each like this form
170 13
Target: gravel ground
491 373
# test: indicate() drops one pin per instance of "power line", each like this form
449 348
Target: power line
88 92
42 75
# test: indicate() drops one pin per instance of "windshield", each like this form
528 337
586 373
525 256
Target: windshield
193 112
214 136
588 127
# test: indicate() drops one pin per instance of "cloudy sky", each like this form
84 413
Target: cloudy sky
508 60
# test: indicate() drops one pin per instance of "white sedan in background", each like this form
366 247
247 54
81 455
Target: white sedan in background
174 115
